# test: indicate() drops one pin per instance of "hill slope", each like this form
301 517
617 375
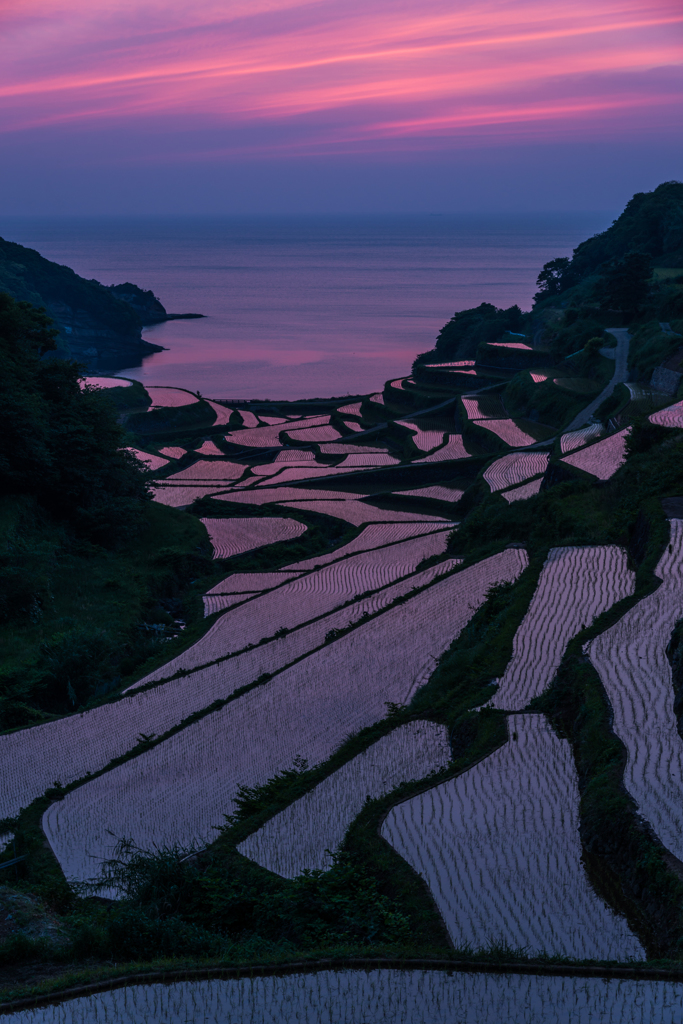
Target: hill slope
98 326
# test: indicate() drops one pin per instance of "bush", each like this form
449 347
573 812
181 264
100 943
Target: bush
177 902
77 661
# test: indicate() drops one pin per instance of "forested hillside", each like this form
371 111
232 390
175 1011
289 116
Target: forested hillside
93 323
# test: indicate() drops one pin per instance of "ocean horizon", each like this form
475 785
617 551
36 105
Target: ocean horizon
305 307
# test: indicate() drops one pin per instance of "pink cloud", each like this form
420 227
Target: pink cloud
391 70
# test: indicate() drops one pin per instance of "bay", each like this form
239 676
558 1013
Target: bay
305 307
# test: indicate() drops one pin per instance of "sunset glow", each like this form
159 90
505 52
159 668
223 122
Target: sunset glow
334 76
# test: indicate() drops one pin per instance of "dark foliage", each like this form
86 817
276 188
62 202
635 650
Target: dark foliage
57 442
625 284
645 435
674 653
175 901
28 276
555 277
651 346
144 301
652 223
466 330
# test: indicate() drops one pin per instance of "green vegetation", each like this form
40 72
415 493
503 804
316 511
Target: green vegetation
29 277
650 346
93 573
467 330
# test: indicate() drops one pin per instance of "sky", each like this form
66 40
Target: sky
336 106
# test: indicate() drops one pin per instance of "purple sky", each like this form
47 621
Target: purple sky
283 106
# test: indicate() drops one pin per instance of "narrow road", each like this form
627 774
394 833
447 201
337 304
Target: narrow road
620 377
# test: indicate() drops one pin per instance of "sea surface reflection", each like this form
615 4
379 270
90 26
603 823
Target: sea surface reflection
305 307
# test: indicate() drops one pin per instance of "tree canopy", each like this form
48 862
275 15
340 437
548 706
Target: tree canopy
60 443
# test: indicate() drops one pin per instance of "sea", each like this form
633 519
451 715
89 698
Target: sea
305 307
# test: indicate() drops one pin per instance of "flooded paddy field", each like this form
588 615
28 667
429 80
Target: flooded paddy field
376 997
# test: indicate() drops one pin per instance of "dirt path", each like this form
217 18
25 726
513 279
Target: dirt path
620 377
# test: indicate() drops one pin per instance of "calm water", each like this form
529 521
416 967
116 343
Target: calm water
303 307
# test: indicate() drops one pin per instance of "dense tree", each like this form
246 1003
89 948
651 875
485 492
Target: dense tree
59 443
466 330
652 223
625 284
555 277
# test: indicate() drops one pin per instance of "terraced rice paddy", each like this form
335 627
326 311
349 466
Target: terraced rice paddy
440 366
361 459
219 602
308 472
511 344
152 462
376 997
269 436
437 492
259 437
602 459
298 455
223 414
306 598
347 449
499 848
538 377
208 470
638 392
577 438
352 425
489 407
301 836
523 492
180 497
105 382
508 431
374 536
318 434
400 384
635 671
350 410
233 536
248 418
575 586
170 398
66 749
453 449
272 420
425 440
270 469
514 469
357 512
312 595
265 495
172 452
378 399
209 448
251 582
178 790
672 416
